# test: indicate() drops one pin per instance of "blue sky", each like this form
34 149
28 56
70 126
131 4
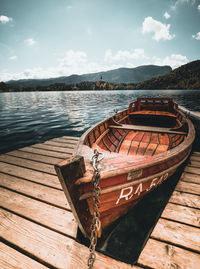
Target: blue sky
51 38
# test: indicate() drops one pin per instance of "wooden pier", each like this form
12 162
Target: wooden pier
38 229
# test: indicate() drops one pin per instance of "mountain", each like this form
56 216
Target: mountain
184 77
121 75
5 88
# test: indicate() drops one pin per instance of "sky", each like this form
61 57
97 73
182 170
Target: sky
52 38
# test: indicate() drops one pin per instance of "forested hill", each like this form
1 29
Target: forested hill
185 77
120 75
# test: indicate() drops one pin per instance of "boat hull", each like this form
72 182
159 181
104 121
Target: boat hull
137 159
124 193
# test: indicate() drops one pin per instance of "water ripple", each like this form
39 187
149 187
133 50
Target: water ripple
33 117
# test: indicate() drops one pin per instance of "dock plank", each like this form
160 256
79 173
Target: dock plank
192 170
50 247
13 259
49 216
68 150
177 233
36 176
185 199
63 145
34 190
34 157
194 164
71 138
193 178
196 153
182 214
195 158
46 152
28 164
60 140
161 255
188 187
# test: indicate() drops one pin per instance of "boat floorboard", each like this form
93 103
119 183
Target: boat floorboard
38 229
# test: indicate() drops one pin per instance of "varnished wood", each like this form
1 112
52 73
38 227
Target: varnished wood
140 153
147 129
154 113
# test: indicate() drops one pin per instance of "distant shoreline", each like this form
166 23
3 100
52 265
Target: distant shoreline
81 90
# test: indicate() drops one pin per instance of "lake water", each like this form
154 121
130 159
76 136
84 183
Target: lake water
32 117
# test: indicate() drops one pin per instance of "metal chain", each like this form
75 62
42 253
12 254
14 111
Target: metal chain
96 223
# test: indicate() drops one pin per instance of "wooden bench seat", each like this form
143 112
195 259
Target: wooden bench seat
153 113
147 129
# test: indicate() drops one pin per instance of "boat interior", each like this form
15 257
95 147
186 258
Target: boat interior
148 127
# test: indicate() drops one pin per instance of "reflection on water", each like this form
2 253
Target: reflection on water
32 117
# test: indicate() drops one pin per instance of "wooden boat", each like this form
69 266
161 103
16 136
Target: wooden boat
142 145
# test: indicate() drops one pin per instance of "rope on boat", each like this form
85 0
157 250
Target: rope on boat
96 223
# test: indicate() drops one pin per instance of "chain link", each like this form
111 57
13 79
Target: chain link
96 223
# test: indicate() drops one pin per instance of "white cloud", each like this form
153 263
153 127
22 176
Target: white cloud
197 36
72 62
30 42
174 60
167 15
198 7
179 2
78 62
14 57
124 55
5 19
160 30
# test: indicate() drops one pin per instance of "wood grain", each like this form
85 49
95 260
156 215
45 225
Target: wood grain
192 170
188 187
52 217
161 255
185 199
36 176
193 178
13 259
34 190
34 157
48 246
54 154
178 234
47 168
182 214
67 150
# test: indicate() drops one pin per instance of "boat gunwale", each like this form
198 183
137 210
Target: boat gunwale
144 161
